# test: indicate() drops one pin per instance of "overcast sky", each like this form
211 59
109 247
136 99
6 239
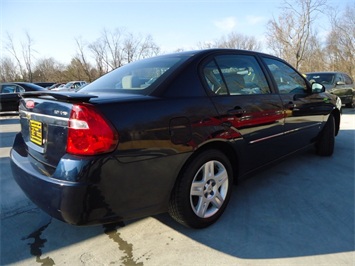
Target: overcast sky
54 24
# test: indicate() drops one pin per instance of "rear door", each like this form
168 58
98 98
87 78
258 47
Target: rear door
248 107
9 99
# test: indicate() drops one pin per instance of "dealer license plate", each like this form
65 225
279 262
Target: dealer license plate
36 132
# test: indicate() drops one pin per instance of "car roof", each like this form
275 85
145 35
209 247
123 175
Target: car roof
217 50
325 72
25 84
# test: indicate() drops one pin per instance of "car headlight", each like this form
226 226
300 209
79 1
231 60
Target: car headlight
338 103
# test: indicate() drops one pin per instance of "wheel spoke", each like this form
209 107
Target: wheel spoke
197 189
217 200
208 171
221 178
202 207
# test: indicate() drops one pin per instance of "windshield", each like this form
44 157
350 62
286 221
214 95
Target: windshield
321 78
68 85
139 77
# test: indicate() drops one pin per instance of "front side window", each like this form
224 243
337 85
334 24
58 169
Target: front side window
20 89
348 80
235 75
286 78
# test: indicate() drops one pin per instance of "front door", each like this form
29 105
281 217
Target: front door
305 111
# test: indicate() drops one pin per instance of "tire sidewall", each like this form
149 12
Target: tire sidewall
186 180
325 145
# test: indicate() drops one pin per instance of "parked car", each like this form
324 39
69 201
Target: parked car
56 85
72 85
10 94
169 133
337 83
45 84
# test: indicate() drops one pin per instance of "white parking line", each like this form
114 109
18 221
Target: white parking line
5 152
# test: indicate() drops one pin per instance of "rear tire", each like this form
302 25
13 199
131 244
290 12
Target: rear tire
349 105
325 143
202 191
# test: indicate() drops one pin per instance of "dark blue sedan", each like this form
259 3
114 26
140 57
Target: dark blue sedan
169 133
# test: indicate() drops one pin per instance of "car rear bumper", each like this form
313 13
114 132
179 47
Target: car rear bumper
60 199
105 191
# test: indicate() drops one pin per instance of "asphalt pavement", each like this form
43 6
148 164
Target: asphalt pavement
298 212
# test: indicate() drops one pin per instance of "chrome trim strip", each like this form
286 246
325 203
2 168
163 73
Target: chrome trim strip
27 113
266 138
282 133
47 119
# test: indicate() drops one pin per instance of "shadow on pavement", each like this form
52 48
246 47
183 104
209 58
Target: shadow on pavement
301 207
288 210
6 139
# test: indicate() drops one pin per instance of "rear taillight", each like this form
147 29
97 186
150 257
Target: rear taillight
89 132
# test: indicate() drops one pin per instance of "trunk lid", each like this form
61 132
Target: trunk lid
44 118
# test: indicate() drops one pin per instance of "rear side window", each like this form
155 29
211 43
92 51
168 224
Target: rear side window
286 78
235 75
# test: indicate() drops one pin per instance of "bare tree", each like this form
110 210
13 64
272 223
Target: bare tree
289 35
8 70
114 49
10 47
83 61
98 49
341 41
138 47
74 71
48 70
233 41
27 55
107 49
315 58
239 41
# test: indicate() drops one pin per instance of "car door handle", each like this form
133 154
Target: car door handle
290 106
238 111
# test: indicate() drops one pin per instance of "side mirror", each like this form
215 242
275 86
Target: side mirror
340 83
317 88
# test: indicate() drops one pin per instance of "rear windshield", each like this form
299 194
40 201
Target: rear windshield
139 77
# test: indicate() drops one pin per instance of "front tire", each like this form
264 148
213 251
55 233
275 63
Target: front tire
325 143
202 190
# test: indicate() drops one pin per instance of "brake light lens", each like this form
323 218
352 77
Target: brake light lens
89 132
